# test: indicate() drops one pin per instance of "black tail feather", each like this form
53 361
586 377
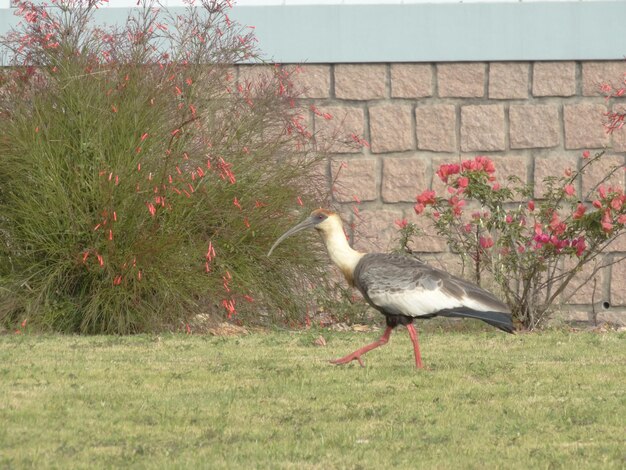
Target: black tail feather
500 320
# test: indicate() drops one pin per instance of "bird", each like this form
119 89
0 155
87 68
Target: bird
401 287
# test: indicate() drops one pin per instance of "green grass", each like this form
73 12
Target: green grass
271 400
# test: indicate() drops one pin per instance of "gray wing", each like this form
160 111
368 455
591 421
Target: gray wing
400 285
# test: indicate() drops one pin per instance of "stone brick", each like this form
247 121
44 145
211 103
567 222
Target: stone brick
584 126
508 80
313 81
255 73
572 314
404 178
534 126
551 166
554 79
411 80
436 127
613 317
618 136
595 74
390 127
360 81
620 243
355 177
335 135
461 80
581 288
600 169
618 283
376 230
256 78
482 128
510 165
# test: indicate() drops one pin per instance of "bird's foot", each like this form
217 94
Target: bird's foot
347 359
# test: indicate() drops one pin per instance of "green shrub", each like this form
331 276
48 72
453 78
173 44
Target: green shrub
141 183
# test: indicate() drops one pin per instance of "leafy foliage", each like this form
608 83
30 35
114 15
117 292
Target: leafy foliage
532 250
141 183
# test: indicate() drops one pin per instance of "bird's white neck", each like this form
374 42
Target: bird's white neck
339 250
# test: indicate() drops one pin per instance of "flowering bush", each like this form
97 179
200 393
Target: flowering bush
523 246
141 183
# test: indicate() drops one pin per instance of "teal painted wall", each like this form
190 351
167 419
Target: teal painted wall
428 32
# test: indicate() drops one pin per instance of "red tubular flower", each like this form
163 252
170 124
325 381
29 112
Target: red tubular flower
569 190
419 208
531 206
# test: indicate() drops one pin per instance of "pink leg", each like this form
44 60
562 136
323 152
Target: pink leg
356 355
416 346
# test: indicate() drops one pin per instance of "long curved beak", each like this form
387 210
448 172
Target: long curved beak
305 224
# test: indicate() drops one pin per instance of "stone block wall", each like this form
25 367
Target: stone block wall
534 119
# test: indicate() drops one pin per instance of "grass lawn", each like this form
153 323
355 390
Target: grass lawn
271 400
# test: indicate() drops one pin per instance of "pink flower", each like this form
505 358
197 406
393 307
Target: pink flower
602 192
531 206
446 170
509 218
457 205
427 197
556 225
569 190
462 182
485 242
622 219
597 204
419 208
580 245
580 211
607 226
496 186
402 223
480 163
618 202
586 154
